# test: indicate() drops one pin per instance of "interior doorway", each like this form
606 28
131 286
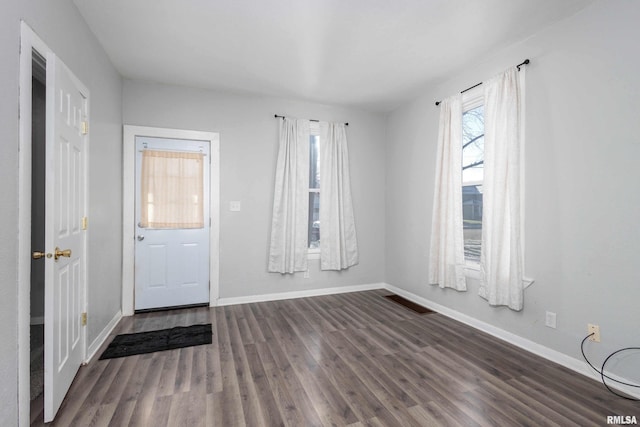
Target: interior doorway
52 169
38 175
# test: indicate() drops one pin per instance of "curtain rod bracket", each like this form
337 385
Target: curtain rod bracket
525 62
311 120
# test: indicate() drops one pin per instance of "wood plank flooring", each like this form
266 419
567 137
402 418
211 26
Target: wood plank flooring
352 359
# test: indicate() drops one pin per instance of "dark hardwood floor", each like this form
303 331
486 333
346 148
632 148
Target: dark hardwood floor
352 359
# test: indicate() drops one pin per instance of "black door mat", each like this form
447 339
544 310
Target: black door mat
409 304
165 339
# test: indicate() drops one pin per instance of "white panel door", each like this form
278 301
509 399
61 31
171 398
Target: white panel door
67 109
171 265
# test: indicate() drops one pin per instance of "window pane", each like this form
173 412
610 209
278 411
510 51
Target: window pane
314 220
171 190
314 160
472 177
472 221
473 145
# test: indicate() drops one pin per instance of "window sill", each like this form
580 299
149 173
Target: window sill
472 271
313 254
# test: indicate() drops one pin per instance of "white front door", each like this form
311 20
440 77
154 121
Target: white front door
171 253
64 347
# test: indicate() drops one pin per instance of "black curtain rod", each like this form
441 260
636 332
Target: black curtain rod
311 120
525 62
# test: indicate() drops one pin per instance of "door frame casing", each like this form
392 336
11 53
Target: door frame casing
30 41
128 206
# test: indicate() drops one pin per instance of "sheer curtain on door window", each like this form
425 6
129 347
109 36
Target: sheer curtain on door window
172 190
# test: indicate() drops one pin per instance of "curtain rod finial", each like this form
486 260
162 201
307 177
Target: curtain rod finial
525 62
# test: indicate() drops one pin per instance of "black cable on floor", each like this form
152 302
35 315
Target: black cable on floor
601 371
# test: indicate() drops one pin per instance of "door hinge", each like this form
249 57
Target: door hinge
85 127
83 318
85 222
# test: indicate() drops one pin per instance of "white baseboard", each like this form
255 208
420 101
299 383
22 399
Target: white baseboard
300 294
102 337
569 362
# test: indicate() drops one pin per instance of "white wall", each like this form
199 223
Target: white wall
248 149
61 27
582 201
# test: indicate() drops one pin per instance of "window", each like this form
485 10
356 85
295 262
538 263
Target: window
314 190
171 190
311 153
472 179
481 126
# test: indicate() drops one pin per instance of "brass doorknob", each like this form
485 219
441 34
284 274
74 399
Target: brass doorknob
38 255
65 253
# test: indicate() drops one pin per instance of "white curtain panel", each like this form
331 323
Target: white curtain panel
288 248
446 259
338 243
501 260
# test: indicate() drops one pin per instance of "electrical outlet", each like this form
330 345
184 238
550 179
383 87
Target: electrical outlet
550 320
595 330
306 274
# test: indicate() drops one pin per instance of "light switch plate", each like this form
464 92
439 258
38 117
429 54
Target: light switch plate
234 206
550 319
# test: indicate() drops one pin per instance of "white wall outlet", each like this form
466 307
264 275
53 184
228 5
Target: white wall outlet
595 330
306 274
550 320
234 206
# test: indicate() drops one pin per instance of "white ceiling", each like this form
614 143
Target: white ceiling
372 54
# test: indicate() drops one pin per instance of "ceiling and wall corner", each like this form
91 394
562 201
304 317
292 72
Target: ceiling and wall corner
360 53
